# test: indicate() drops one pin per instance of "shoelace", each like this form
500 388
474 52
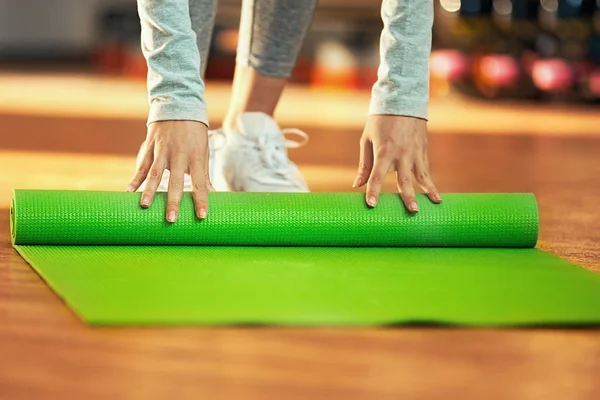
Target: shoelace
272 155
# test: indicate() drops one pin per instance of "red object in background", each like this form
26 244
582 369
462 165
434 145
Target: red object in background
220 67
581 71
367 76
135 66
528 59
498 70
109 58
594 82
451 65
552 75
302 72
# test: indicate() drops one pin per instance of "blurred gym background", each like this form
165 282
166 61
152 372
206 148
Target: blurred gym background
540 50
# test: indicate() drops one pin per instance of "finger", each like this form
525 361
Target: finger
405 186
177 168
152 181
141 173
380 169
365 163
423 178
200 188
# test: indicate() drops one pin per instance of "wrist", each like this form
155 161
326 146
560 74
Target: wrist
171 111
398 105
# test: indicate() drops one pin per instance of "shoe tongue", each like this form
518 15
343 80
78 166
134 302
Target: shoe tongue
255 124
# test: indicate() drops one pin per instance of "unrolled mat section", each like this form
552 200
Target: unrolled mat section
301 259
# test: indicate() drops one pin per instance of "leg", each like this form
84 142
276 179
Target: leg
271 35
202 15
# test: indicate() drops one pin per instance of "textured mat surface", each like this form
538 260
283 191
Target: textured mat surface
275 219
117 264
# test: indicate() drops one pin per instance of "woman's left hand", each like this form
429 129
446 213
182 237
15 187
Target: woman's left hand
395 143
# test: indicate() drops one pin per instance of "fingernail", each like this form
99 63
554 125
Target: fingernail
145 201
171 216
356 182
372 201
413 207
202 213
438 197
130 188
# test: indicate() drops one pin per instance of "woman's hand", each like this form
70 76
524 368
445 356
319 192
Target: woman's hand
395 143
181 147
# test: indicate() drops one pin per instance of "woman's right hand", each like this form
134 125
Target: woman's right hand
181 147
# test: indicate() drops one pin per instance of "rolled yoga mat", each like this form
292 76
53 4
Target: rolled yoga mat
301 259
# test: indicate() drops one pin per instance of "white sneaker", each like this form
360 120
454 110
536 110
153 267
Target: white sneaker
255 159
215 142
252 160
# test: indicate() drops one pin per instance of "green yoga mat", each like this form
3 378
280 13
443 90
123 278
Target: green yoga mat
301 259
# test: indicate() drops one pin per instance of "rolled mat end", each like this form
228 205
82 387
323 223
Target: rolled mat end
13 219
275 219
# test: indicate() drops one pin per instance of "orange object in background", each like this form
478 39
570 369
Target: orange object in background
135 66
335 67
334 78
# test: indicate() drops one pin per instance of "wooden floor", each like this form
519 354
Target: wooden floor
46 352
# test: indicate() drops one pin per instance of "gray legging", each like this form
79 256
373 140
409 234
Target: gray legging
271 32
176 37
